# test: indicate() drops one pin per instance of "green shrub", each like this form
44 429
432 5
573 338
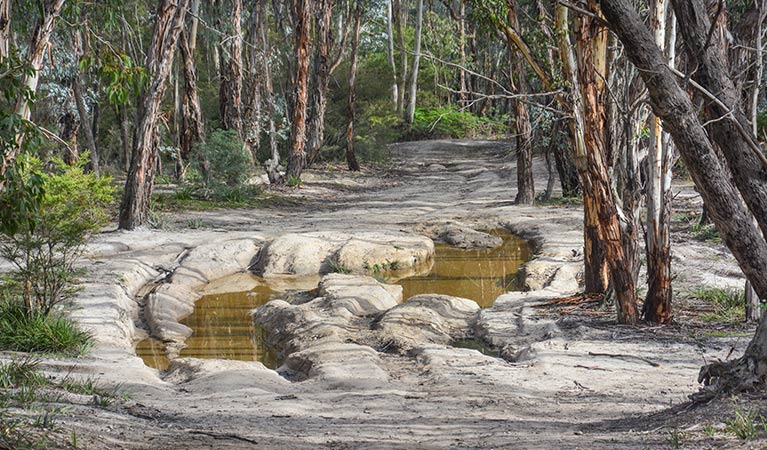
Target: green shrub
449 122
48 220
35 331
224 166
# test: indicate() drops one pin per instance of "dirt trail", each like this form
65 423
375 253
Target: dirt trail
569 394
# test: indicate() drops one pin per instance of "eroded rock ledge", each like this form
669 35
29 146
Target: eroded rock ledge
173 298
336 336
362 252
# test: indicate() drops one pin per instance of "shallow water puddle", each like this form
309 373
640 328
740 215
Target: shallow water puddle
223 327
480 275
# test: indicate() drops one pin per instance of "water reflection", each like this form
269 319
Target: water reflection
480 275
223 329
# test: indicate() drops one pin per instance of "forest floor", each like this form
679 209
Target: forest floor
591 385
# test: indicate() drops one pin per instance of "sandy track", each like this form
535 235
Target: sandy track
563 397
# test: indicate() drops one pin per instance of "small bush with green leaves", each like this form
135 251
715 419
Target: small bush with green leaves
224 166
294 181
46 220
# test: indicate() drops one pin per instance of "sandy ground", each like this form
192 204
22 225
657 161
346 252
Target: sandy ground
588 383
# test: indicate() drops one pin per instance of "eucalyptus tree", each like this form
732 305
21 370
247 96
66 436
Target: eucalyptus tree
230 87
27 68
168 24
300 11
351 157
413 76
720 190
324 64
660 158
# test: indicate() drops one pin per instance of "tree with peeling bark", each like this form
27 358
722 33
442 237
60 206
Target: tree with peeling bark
300 13
36 51
351 157
323 66
720 192
169 22
522 127
413 76
657 306
230 97
600 211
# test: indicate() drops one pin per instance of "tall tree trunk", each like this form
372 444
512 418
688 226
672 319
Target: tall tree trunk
69 126
169 23
351 157
192 128
300 10
271 165
602 233
463 98
323 10
595 263
413 79
38 46
523 128
251 112
390 52
90 141
563 156
79 93
732 219
122 110
657 306
230 95
401 14
753 302
592 48
727 123
5 28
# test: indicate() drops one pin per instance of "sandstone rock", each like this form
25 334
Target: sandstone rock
463 237
239 282
428 319
339 365
360 295
363 252
384 253
296 254
537 274
325 338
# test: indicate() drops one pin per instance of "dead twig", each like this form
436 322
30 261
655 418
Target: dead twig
592 368
622 356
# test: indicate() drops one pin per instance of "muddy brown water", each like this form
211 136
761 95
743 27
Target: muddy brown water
223 327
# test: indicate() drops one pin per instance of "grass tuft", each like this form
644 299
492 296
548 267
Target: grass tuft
36 332
729 304
706 233
23 372
746 424
559 201
336 267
